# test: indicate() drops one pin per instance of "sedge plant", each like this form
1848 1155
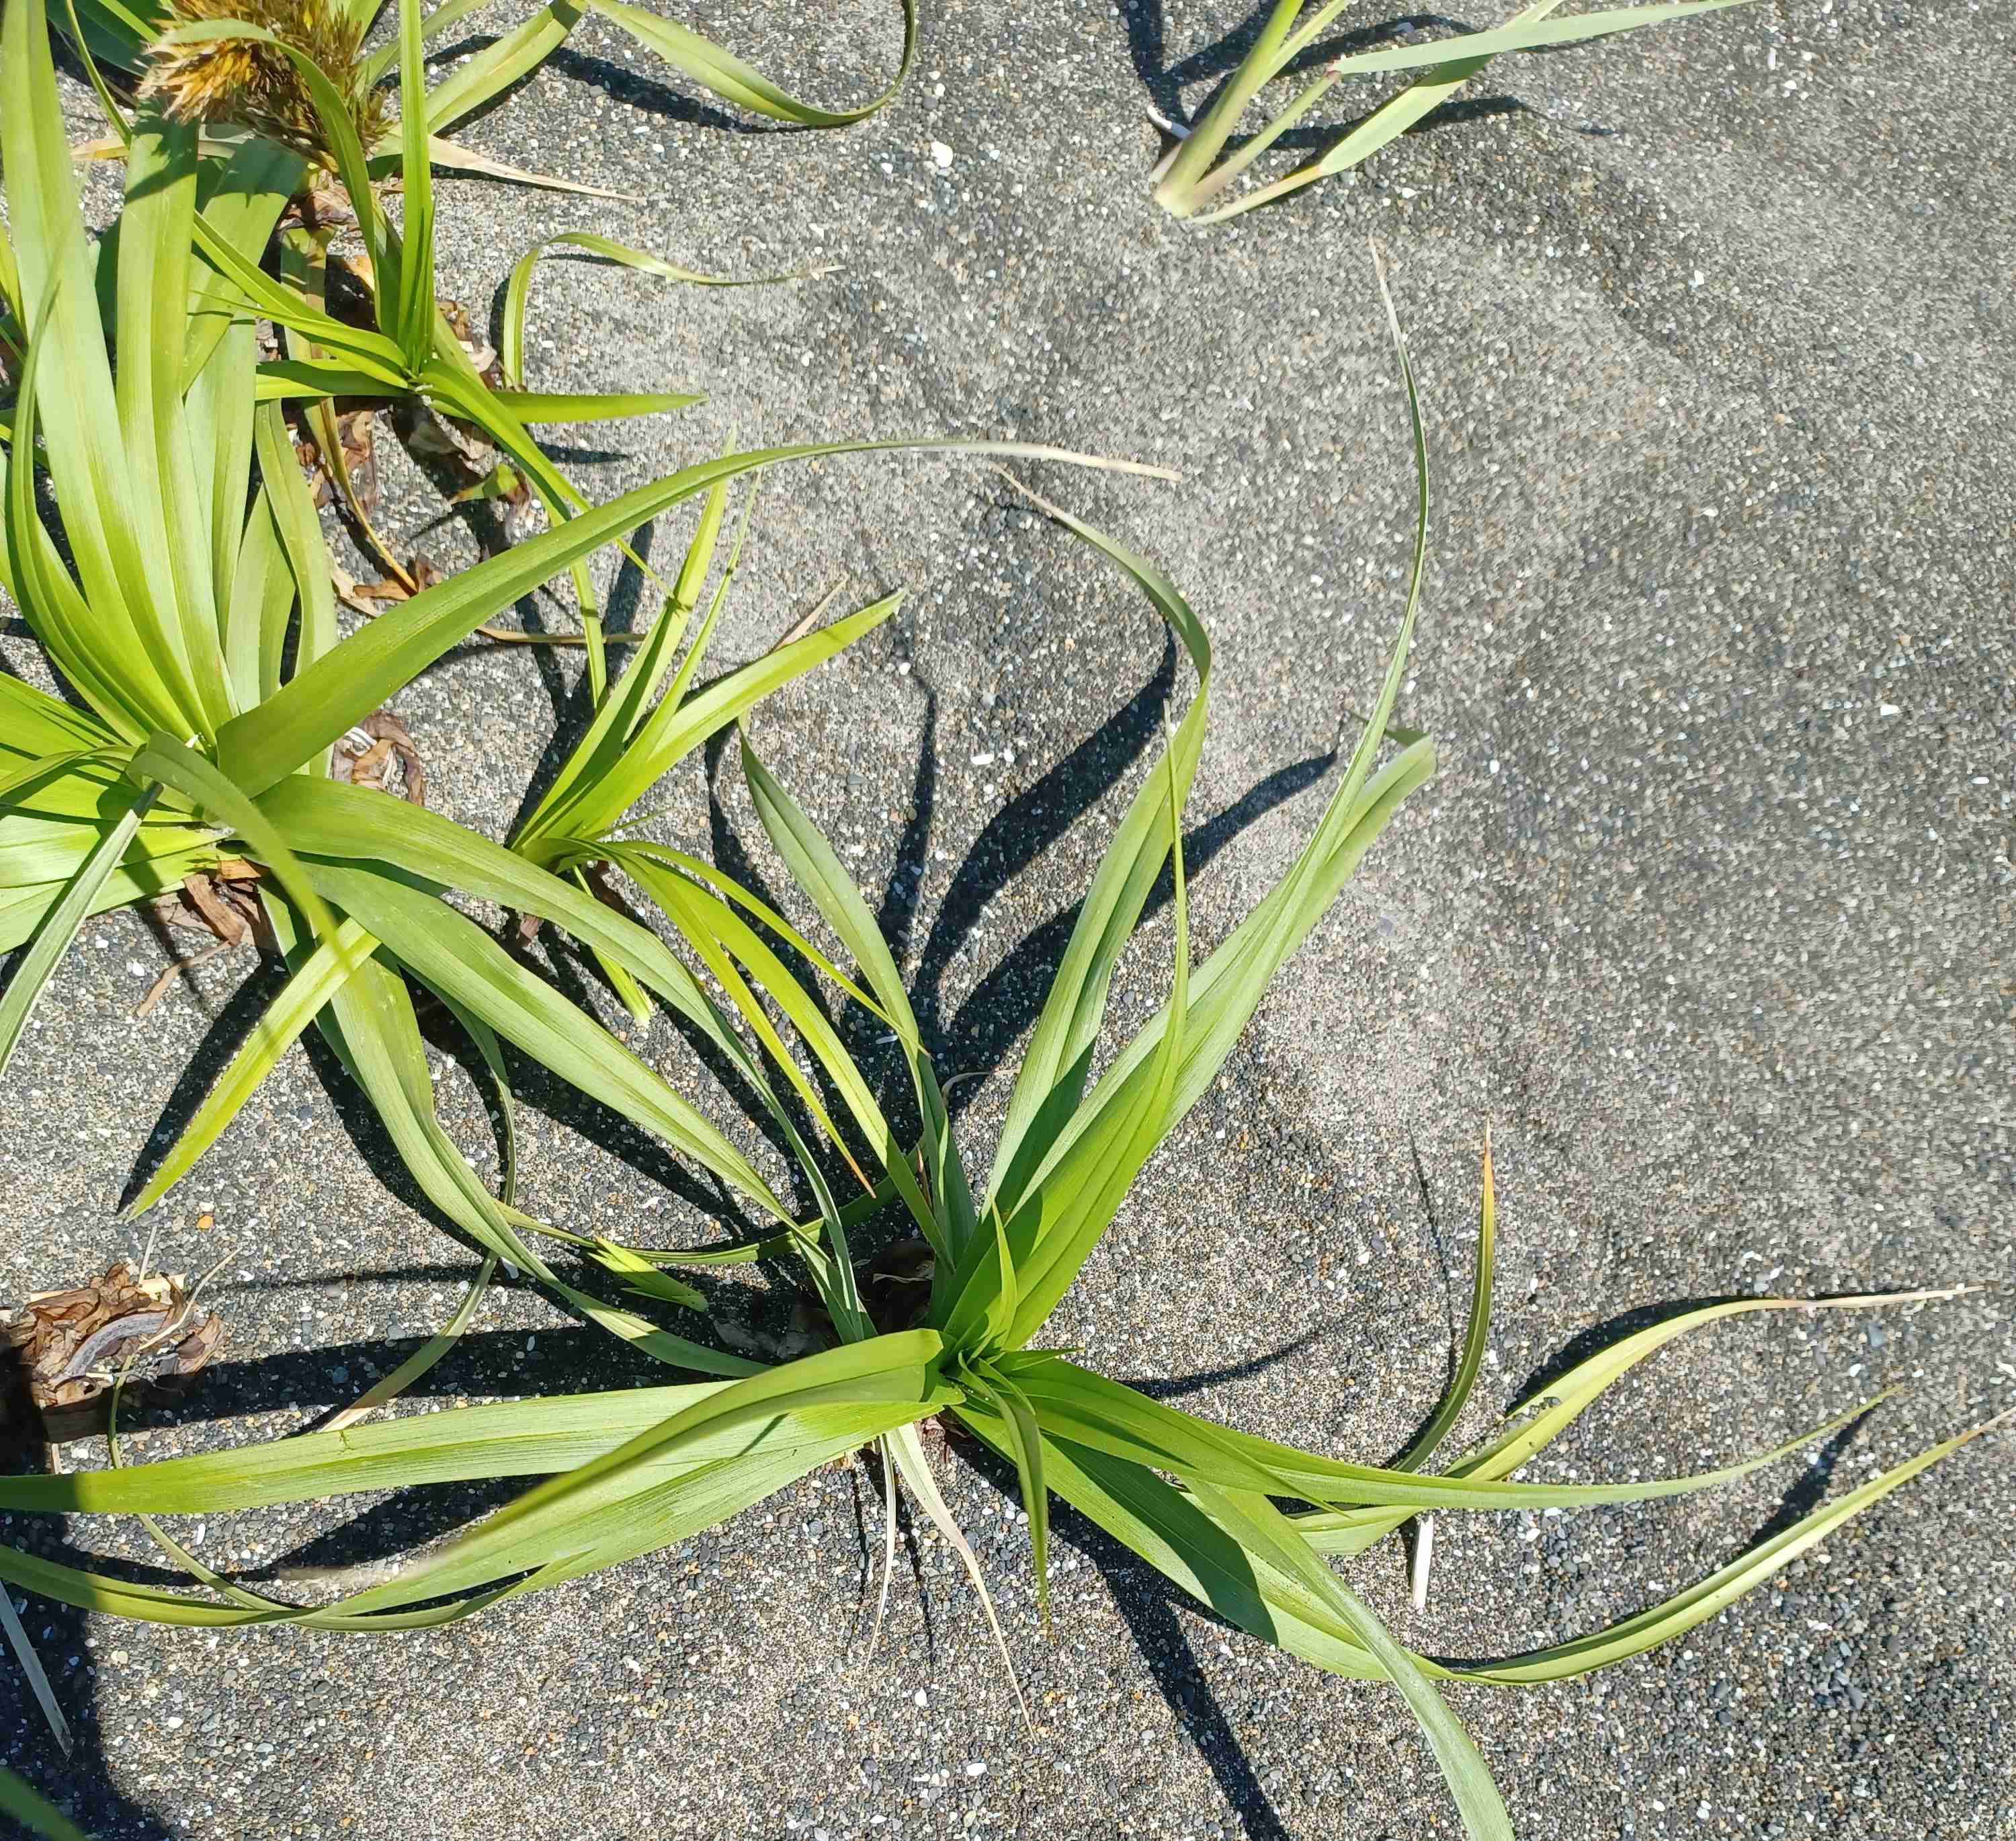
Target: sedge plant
1199 173
183 594
297 117
1248 1525
271 67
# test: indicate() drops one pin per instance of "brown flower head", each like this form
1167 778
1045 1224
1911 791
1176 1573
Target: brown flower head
249 83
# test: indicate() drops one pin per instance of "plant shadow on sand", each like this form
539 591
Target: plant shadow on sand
1163 1622
977 1038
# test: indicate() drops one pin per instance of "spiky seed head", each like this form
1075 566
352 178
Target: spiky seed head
249 83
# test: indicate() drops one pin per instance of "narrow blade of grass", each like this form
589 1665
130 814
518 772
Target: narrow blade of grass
1477 1335
278 1026
59 927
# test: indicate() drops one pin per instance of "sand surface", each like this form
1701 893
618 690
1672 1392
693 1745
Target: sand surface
1708 912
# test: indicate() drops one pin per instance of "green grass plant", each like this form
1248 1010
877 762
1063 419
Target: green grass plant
1249 1526
183 593
272 67
1200 172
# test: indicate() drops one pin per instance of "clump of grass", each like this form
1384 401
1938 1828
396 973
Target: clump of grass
183 589
1198 172
258 64
1246 1524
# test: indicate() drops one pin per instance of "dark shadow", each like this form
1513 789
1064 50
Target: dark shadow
1804 1497
1149 1607
79 1784
1011 840
897 915
1317 141
1209 1377
232 1023
634 89
1152 1607
1463 110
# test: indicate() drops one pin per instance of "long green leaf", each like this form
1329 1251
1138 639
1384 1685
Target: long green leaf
242 197
517 288
366 349
548 405
1533 36
1072 1403
261 746
1167 1528
1709 1597
218 409
617 718
493 70
818 871
720 938
1052 1238
1228 986
613 1506
162 758
1056 1063
23 910
1025 1442
414 310
108 641
25 988
1477 1335
279 1025
674 730
36 1814
33 723
1208 137
164 546
32 569
299 530
456 955
1259 1526
31 1666
1387 123
353 825
1448 63
369 1023
261 597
